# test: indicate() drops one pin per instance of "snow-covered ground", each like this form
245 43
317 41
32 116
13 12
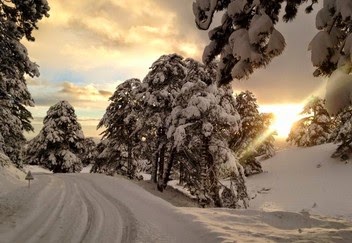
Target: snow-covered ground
38 169
278 226
10 178
303 196
91 208
87 169
304 179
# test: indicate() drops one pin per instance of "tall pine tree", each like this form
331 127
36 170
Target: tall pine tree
203 121
342 134
18 20
59 144
314 128
254 138
122 122
162 85
89 153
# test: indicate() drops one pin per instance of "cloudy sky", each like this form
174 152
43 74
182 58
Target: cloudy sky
87 47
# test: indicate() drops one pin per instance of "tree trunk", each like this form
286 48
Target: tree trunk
181 180
155 168
214 188
161 168
157 158
169 166
211 167
203 169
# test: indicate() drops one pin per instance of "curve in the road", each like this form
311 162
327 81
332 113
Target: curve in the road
93 208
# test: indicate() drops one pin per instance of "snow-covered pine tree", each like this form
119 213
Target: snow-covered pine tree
18 20
194 71
89 151
331 47
247 39
246 142
105 159
266 147
343 134
59 144
203 121
161 85
122 121
314 128
146 149
4 160
12 128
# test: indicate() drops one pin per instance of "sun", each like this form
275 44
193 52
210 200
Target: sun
284 116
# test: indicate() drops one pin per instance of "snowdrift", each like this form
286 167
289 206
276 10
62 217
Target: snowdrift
304 179
303 196
10 176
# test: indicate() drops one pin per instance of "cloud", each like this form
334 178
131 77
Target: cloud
80 95
87 92
89 42
88 34
89 101
105 93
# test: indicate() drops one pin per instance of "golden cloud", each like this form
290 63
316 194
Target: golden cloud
88 34
84 93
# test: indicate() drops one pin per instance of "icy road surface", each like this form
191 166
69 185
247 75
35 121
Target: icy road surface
92 208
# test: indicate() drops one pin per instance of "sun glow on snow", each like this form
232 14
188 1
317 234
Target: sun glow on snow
284 116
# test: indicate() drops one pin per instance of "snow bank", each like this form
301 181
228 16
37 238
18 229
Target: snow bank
36 169
303 196
301 180
304 179
41 170
10 178
87 169
279 226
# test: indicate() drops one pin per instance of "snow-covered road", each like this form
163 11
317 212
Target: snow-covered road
92 208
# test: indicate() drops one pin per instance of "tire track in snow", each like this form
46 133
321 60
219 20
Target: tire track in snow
128 223
33 228
71 209
95 225
96 208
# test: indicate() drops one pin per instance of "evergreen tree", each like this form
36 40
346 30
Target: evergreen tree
247 39
314 128
59 144
12 128
161 86
18 20
297 135
342 134
122 121
254 138
331 47
89 151
104 160
4 160
266 146
202 122
153 116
